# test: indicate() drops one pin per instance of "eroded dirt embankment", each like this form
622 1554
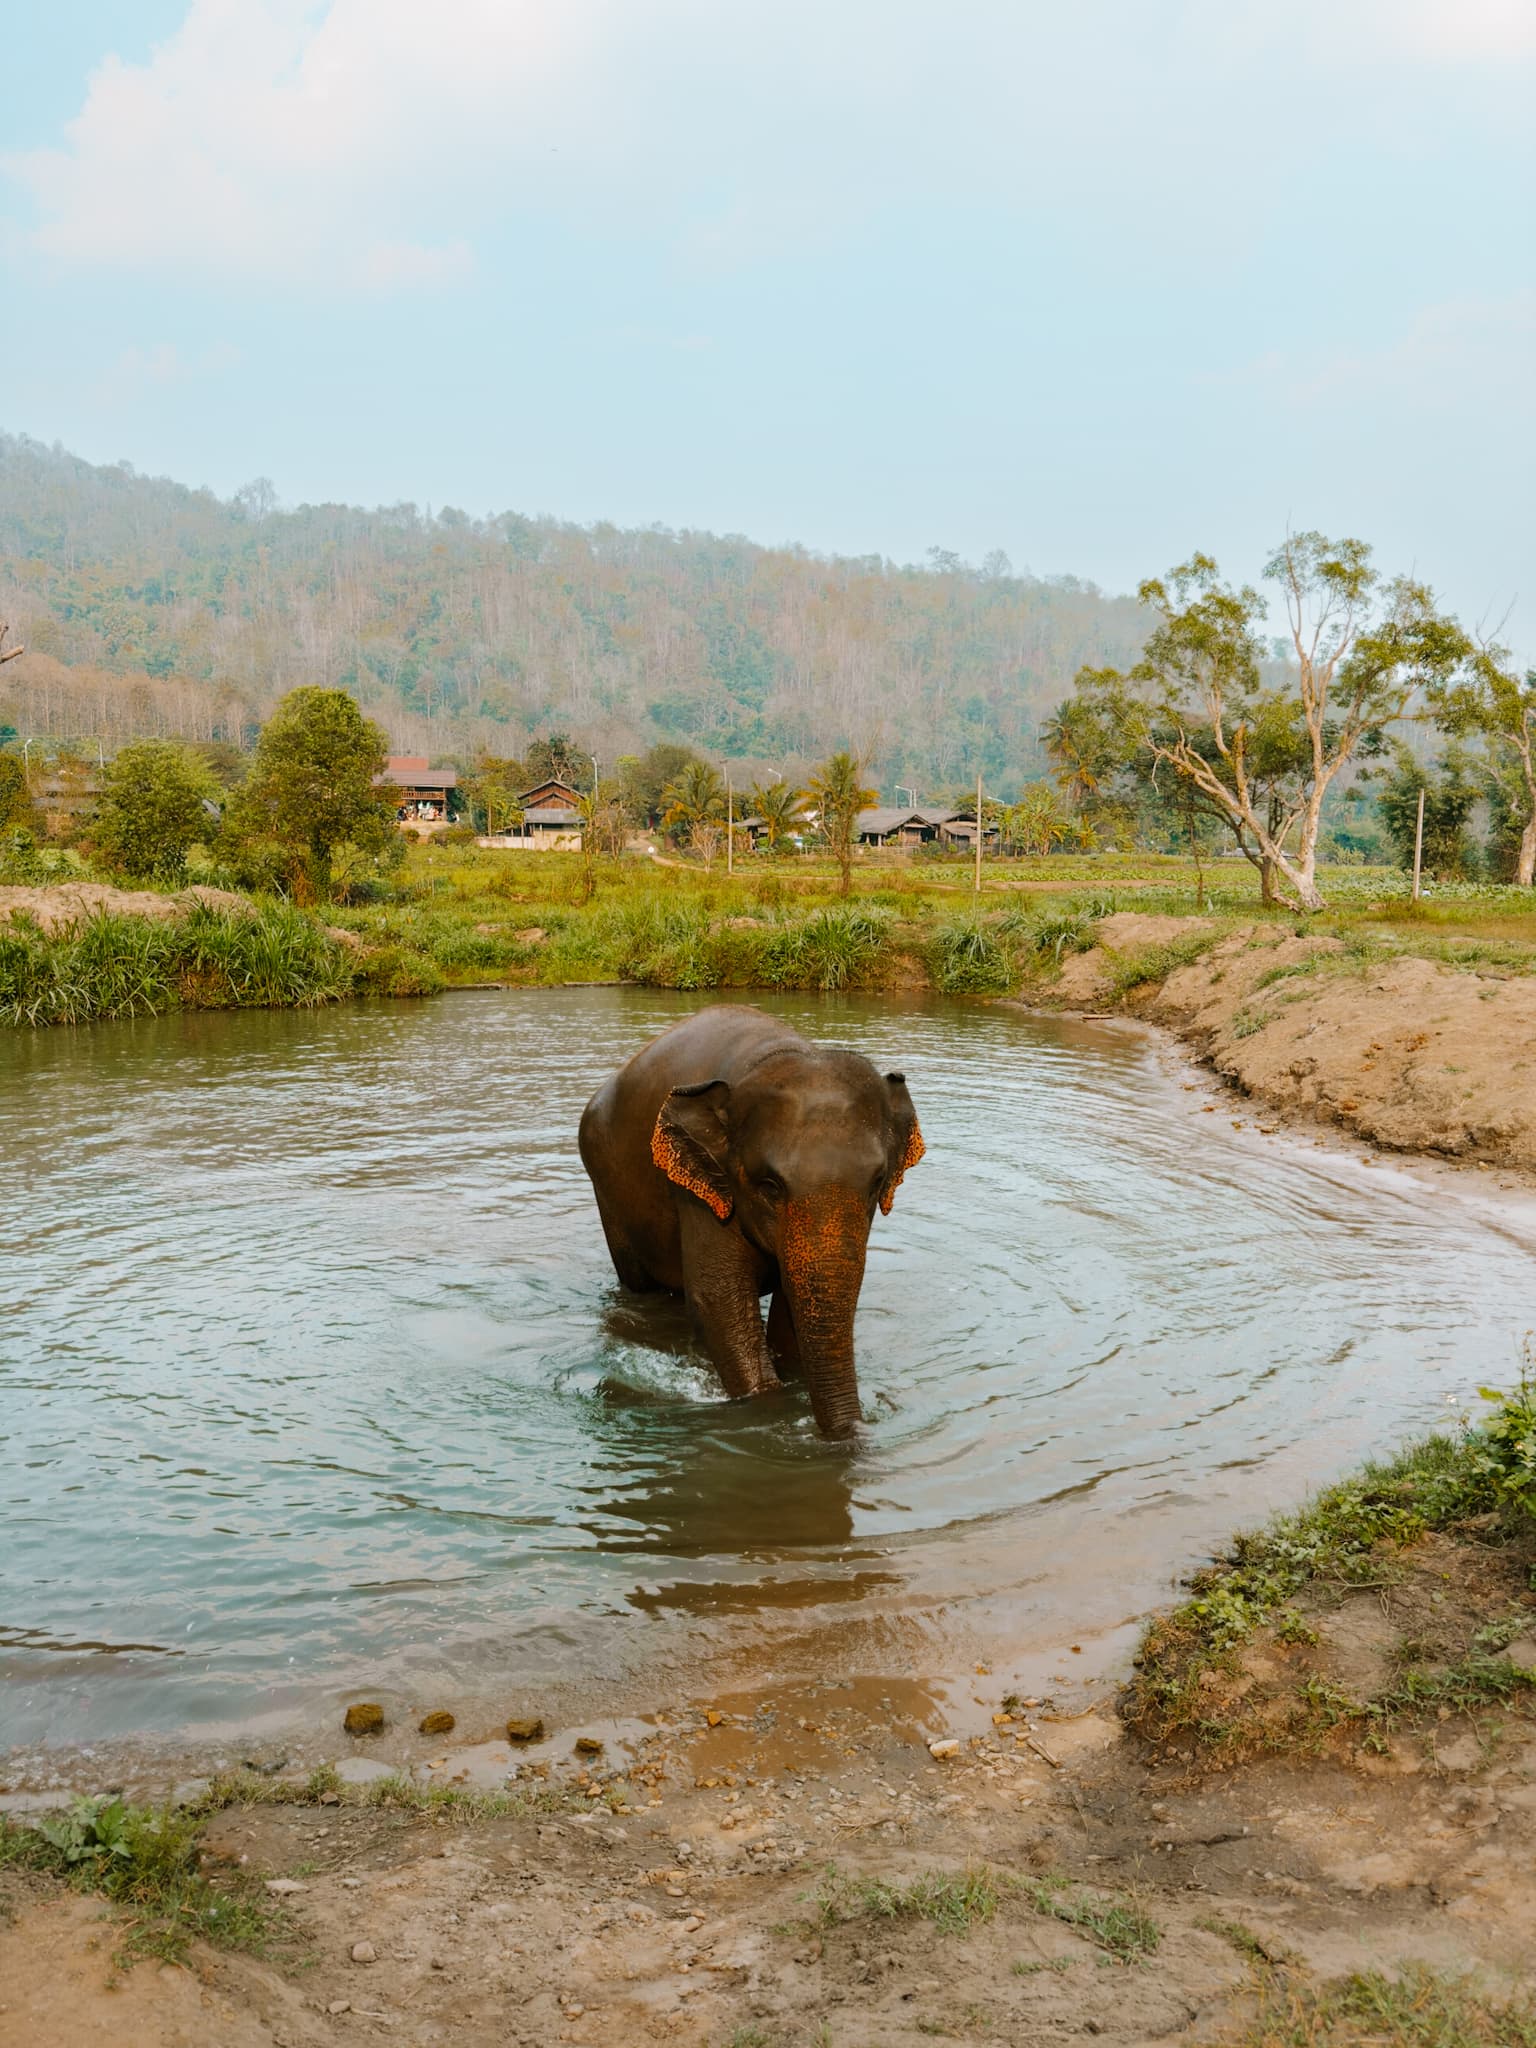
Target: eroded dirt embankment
1409 1053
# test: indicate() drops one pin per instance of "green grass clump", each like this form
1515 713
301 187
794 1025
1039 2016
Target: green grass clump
109 966
1155 963
1118 1926
1422 2008
966 957
953 1903
146 1860
1343 1538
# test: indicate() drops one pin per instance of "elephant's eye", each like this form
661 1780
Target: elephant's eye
770 1186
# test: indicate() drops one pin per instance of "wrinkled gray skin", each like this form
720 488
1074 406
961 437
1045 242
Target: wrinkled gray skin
731 1158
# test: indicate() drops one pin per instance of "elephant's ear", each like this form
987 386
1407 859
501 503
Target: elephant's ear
906 1140
690 1145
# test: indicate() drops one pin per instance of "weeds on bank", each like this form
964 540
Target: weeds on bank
397 1794
1421 2009
144 1859
1345 1538
957 1901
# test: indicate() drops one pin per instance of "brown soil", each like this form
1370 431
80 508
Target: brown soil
62 905
1407 1053
690 1915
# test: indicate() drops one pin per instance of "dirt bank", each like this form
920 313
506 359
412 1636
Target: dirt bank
750 1882
1410 1053
61 906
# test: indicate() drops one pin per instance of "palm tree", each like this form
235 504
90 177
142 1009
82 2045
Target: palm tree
837 790
1038 821
695 803
781 807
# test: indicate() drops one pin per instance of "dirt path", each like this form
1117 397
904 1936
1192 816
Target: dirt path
689 1897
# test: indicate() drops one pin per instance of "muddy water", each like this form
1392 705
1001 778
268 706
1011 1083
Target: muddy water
313 1377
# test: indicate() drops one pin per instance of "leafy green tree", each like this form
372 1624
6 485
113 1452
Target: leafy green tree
645 778
1037 821
782 809
695 808
155 803
1491 701
837 792
1200 702
491 790
1450 795
557 757
311 785
16 810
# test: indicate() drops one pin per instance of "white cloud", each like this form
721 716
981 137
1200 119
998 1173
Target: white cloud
161 365
365 144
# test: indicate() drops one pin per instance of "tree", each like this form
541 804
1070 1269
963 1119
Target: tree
1450 795
1037 821
156 801
556 758
1199 701
838 794
645 778
311 785
16 809
782 809
1491 701
695 806
492 790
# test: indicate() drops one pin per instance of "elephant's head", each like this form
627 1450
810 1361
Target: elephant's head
797 1153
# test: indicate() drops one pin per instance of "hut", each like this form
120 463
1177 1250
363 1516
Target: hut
425 795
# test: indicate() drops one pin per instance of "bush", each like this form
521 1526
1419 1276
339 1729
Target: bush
830 949
1505 1446
156 802
110 966
398 971
966 958
26 865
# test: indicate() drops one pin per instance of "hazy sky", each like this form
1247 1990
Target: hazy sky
1096 282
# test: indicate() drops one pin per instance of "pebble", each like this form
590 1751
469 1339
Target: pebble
363 1717
439 1723
280 1887
525 1728
338 2006
588 1745
364 1952
947 1748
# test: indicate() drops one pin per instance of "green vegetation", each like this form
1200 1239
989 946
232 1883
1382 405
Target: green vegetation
1349 1536
151 810
1422 2008
109 966
144 1859
310 791
954 1902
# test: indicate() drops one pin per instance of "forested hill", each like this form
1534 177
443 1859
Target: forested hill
151 608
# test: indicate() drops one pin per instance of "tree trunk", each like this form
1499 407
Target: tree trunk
1525 866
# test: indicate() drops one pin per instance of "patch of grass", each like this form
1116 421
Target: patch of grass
396 1793
144 1859
110 966
1343 1538
1155 963
1246 1023
1059 1964
966 957
1252 1947
1118 1926
1422 2008
953 1903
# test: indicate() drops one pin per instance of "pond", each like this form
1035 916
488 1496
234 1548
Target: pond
314 1378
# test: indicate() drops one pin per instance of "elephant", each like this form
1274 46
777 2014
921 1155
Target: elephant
732 1158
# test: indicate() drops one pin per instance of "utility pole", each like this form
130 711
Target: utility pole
730 825
1418 848
977 889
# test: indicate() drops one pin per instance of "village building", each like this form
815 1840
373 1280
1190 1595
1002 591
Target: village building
425 794
889 825
551 819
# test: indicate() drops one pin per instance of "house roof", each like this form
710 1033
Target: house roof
546 814
416 778
551 786
886 818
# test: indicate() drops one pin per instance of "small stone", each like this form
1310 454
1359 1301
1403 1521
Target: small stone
525 1728
941 1750
1522 1653
588 1745
364 1717
438 1723
338 2006
280 1887
364 1952
714 1717
267 1766
330 1799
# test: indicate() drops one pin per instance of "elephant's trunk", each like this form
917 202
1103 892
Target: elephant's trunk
822 1264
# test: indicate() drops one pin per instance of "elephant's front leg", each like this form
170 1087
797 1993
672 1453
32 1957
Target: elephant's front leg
720 1278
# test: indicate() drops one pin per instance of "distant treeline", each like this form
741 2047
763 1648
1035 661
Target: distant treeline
151 609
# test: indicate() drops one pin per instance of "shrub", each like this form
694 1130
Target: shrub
156 802
830 949
965 958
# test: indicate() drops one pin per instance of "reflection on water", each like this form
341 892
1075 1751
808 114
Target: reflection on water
312 1371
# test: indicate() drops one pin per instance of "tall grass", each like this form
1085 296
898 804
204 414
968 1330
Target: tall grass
108 966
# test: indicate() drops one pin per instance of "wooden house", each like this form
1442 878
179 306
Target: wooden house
425 794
